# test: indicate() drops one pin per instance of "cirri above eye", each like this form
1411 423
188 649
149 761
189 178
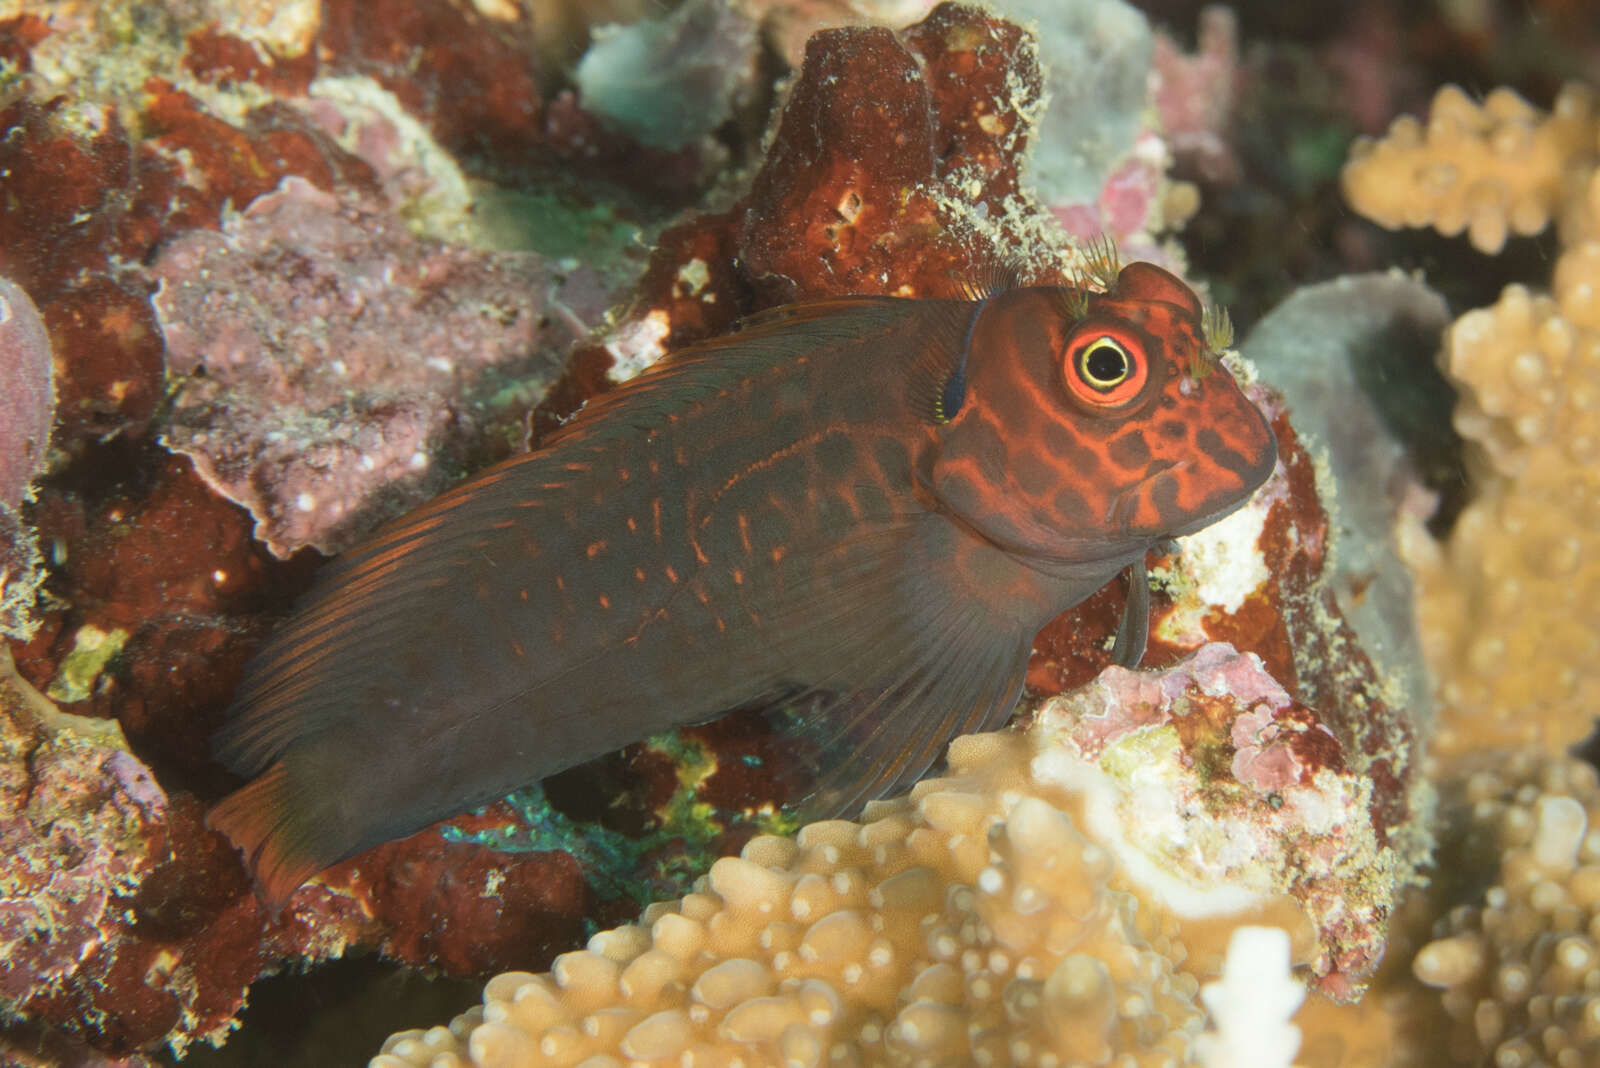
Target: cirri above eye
1104 371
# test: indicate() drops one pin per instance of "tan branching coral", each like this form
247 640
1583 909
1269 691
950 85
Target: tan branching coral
1056 899
1510 605
1518 973
939 930
1491 169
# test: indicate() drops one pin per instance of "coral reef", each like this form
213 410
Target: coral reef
1211 775
788 24
894 169
1100 155
129 125
1252 1003
1195 95
1092 50
132 124
157 592
1056 897
1507 604
22 576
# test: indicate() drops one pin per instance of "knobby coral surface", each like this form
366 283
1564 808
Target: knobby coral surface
1493 169
1510 603
1056 898
1513 970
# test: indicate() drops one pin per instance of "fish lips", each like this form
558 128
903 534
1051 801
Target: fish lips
1252 474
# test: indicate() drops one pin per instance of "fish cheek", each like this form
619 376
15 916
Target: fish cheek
983 443
1072 508
1129 450
1033 474
1164 499
1067 449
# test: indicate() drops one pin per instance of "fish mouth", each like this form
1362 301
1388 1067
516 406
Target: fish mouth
1118 524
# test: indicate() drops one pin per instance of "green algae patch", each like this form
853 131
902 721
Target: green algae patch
687 837
92 650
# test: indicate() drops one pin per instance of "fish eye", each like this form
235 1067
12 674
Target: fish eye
1104 364
1104 371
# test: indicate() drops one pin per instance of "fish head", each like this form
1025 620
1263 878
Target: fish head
1094 425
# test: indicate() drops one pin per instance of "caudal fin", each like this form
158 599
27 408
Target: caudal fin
259 820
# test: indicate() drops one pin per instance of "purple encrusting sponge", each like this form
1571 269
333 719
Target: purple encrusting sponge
27 395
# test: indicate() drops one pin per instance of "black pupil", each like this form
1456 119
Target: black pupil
1106 365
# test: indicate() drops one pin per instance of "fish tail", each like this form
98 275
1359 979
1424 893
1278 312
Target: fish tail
259 820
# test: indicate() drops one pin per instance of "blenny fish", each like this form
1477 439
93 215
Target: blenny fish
870 502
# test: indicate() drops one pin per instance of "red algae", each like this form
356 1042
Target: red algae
223 59
469 79
877 129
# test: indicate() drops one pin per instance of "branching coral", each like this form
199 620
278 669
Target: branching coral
1510 605
1518 972
1491 169
1056 898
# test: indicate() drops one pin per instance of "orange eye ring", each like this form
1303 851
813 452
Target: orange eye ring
1105 371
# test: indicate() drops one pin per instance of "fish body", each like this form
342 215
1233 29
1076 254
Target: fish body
875 501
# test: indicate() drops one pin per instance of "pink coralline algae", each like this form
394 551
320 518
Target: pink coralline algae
1194 94
1123 701
1225 796
335 368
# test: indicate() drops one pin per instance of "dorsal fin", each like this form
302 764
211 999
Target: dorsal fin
991 280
